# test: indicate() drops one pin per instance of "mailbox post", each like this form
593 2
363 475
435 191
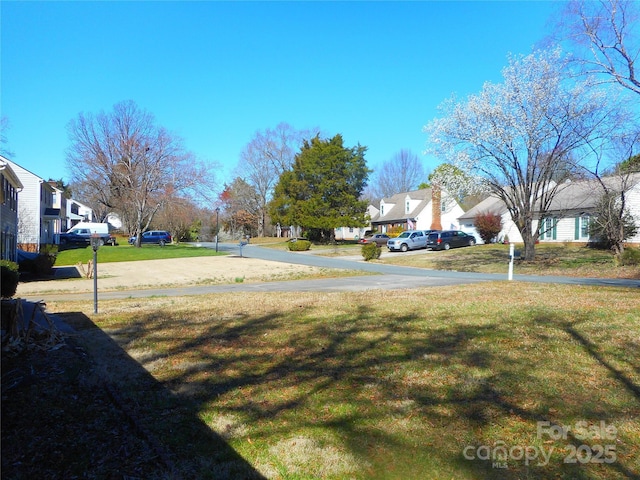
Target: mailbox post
217 226
512 253
95 245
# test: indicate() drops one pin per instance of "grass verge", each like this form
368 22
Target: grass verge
414 384
129 253
551 259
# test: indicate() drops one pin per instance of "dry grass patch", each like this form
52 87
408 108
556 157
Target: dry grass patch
372 385
551 259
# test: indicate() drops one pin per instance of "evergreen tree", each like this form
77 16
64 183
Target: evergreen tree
322 190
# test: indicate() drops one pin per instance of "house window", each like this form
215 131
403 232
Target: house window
408 207
582 227
382 210
548 228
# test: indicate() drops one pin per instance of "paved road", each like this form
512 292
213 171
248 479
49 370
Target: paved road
448 277
389 277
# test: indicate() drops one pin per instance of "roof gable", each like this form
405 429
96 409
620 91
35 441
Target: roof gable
395 207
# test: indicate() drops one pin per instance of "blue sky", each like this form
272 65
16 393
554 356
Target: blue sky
216 72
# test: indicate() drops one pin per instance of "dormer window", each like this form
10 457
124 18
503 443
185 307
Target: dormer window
382 210
408 207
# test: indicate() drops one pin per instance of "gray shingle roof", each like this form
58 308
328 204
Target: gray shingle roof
397 212
572 197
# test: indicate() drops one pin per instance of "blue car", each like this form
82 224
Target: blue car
160 237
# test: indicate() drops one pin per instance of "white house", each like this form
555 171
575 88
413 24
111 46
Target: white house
11 186
423 209
355 233
568 217
77 212
114 220
420 210
60 224
36 215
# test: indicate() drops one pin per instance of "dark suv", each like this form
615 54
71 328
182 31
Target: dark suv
448 239
160 237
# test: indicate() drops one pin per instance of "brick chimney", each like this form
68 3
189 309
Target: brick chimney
436 207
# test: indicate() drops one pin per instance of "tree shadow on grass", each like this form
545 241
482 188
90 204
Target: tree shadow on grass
408 392
354 375
88 410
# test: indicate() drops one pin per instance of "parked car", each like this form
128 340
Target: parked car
408 240
447 239
161 237
81 234
379 239
74 239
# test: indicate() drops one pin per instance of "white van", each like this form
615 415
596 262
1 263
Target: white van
81 234
99 228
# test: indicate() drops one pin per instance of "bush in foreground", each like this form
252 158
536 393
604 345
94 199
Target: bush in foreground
9 278
299 245
43 263
371 251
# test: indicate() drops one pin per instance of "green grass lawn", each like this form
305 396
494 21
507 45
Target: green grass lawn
128 253
406 384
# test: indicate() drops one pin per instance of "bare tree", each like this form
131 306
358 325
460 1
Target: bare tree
612 223
178 218
265 158
28 229
4 141
606 37
130 165
401 173
515 137
98 199
240 202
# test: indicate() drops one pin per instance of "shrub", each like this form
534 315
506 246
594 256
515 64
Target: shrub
371 251
299 245
488 225
9 278
630 256
43 263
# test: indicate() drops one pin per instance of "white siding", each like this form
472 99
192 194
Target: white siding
633 199
28 207
33 229
424 218
412 202
566 225
509 229
451 211
350 233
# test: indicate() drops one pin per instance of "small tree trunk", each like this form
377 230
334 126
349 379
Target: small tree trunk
529 239
618 247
